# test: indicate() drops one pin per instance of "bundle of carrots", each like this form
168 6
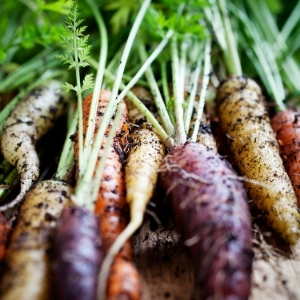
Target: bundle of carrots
74 232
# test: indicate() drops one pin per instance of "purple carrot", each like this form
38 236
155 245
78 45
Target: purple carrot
77 255
209 206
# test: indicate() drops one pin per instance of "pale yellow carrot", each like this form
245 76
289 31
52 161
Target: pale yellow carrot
245 121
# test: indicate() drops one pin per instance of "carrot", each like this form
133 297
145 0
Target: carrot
27 123
252 142
286 125
26 271
111 203
209 207
141 172
76 236
244 119
265 59
123 281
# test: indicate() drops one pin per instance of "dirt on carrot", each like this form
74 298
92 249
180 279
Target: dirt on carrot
111 206
244 119
209 207
27 123
77 255
26 273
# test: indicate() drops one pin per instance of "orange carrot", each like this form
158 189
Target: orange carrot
111 204
286 125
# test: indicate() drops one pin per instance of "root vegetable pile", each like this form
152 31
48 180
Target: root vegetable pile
69 237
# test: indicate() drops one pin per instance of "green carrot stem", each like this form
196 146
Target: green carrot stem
168 141
264 18
114 62
191 100
137 102
266 24
99 79
168 126
165 89
230 54
85 179
212 14
263 58
205 81
291 22
67 154
180 136
183 63
79 100
146 64
127 78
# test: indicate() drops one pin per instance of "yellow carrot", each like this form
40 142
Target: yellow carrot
27 268
252 142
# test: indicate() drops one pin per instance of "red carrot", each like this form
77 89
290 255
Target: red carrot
286 125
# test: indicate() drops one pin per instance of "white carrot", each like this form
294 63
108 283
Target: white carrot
27 123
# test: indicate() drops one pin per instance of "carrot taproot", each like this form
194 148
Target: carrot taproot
26 270
76 248
122 270
111 204
286 125
141 172
209 207
244 119
27 123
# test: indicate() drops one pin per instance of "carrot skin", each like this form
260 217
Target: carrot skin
111 206
130 287
210 209
77 255
26 273
32 118
252 142
286 125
